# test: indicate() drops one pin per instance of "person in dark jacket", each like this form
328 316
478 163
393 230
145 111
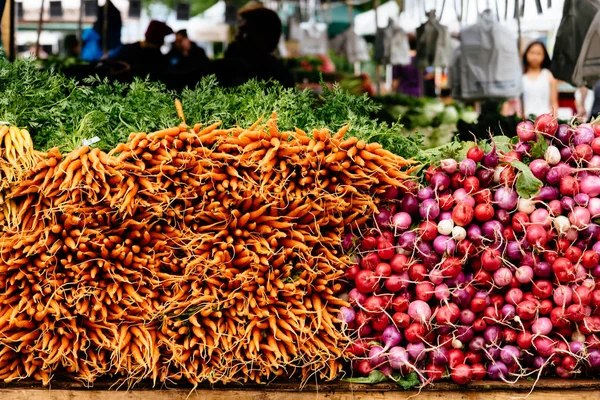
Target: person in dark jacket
145 57
250 55
93 37
186 55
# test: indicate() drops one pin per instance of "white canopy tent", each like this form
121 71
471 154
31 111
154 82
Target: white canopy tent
414 15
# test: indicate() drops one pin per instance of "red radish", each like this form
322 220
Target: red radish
385 250
558 317
370 261
375 304
448 314
478 304
479 371
380 322
573 254
446 201
491 260
563 269
471 184
399 263
512 156
400 303
483 196
386 236
462 214
455 357
401 320
417 272
524 340
428 230
457 180
435 373
519 221
383 270
526 310
352 271
590 259
366 281
536 235
461 374
546 124
508 176
414 333
451 267
525 131
542 289
359 347
475 153
545 307
479 325
596 145
424 291
369 243
583 152
472 357
484 212
483 278
363 367
569 186
395 283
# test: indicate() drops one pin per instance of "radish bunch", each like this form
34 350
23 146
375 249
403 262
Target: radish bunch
490 269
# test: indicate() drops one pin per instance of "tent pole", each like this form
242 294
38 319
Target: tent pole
519 46
12 49
105 29
39 29
378 68
80 25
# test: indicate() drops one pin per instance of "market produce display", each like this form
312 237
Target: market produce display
488 270
61 112
202 254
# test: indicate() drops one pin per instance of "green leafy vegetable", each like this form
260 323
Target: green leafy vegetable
539 149
374 377
408 382
527 184
61 112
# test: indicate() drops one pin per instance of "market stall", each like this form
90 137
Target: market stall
258 241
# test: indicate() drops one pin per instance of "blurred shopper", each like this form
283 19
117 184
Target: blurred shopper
596 107
540 92
186 55
93 38
250 55
72 47
145 57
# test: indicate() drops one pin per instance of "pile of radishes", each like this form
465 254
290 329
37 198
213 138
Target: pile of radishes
464 278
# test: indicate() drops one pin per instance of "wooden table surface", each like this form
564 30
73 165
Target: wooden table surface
547 389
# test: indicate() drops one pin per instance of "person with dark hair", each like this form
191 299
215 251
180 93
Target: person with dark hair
93 38
72 48
186 55
145 58
250 55
540 89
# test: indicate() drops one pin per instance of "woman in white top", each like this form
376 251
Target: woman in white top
540 93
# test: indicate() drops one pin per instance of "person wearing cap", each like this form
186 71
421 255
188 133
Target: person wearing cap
251 54
186 55
145 57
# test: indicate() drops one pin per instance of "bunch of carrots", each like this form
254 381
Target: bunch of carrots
194 254
17 156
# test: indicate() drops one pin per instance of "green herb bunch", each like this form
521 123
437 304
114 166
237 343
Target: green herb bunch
61 112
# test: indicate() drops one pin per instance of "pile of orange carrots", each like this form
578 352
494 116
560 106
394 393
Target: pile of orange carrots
187 254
